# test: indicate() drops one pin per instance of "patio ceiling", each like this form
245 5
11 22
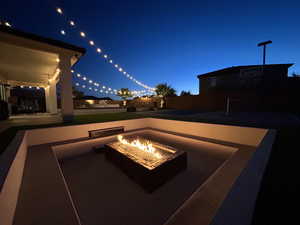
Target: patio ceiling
29 59
26 65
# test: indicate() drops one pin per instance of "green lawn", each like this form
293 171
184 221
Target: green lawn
7 135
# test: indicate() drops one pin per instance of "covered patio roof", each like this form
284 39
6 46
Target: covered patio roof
32 60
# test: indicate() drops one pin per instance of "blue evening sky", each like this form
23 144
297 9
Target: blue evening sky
170 41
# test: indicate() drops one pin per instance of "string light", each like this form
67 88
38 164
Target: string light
82 34
7 24
105 88
59 11
63 32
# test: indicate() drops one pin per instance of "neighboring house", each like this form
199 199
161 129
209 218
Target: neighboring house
95 102
251 77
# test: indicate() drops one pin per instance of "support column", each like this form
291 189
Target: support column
7 95
51 98
67 110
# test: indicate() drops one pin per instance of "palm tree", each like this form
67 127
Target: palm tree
124 93
164 90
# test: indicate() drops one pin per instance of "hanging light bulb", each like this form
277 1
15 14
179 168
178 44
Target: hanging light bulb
105 56
78 75
72 23
110 61
82 34
98 50
92 43
59 10
63 32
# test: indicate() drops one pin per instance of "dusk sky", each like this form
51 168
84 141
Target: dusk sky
159 41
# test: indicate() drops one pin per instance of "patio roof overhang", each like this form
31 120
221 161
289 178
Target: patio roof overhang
31 60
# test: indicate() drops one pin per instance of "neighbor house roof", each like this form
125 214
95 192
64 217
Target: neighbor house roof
38 38
238 68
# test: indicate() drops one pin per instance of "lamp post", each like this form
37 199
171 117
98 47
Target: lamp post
264 45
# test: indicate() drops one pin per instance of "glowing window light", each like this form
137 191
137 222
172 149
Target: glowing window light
92 43
63 32
59 10
82 34
98 50
72 23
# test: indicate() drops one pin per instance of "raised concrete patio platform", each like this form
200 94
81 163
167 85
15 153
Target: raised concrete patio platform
232 186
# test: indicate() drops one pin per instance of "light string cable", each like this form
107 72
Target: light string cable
106 56
96 86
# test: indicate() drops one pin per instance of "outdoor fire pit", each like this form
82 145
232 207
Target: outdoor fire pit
148 163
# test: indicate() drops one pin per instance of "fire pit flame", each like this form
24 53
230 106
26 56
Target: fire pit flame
146 147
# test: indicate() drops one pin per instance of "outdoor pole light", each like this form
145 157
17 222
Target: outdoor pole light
264 44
